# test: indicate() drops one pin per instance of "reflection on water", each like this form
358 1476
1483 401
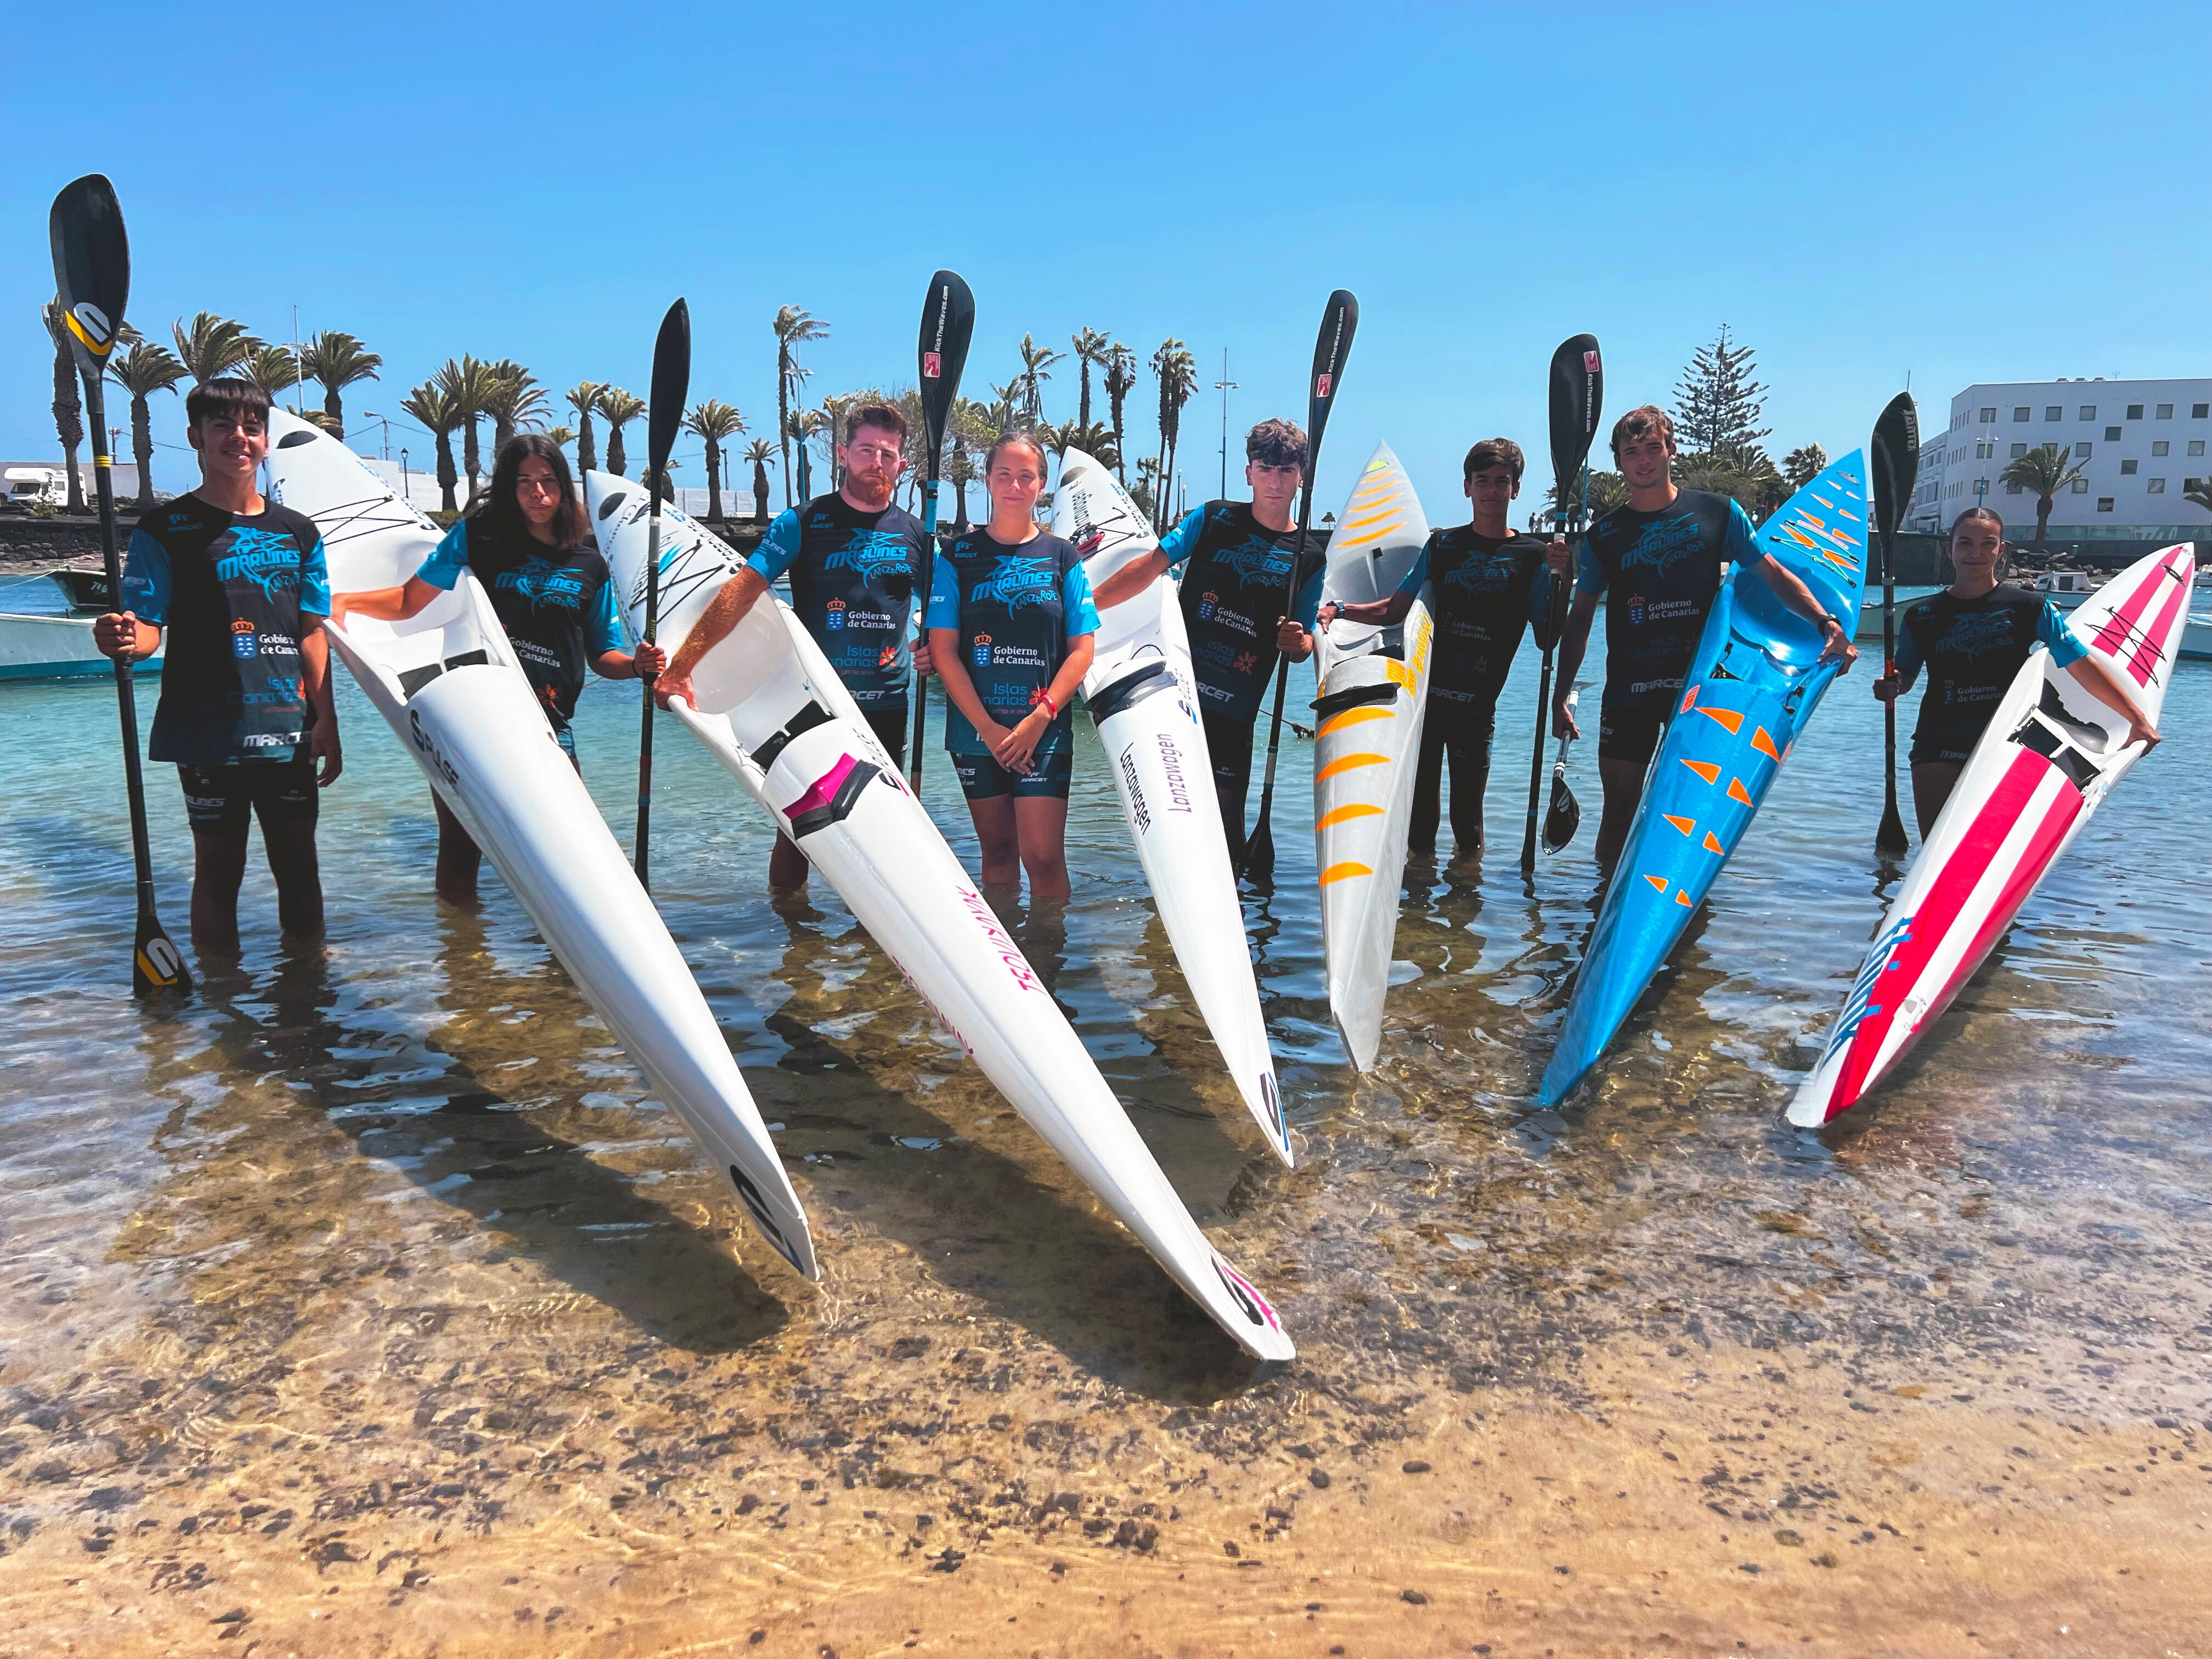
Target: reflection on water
368 1303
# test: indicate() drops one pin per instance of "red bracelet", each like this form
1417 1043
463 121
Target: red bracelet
1052 708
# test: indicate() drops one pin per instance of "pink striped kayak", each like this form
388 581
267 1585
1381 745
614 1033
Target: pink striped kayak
2051 755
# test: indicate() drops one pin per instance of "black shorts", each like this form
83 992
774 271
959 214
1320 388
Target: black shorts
982 778
222 800
1943 747
890 727
1630 734
1228 747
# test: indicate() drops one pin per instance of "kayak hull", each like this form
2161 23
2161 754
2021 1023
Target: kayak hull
775 716
2049 757
1752 685
1142 698
448 684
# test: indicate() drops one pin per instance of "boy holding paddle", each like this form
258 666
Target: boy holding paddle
1236 556
237 583
1663 555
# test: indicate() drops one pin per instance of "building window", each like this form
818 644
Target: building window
2128 468
2154 486
2103 503
2111 435
2199 411
2161 447
2053 412
2196 445
2088 412
2081 486
2082 450
2021 412
2019 449
2011 489
1982 451
2188 485
2166 411
2135 411
1990 416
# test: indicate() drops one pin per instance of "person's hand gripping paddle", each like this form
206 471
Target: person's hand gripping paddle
672 385
948 323
1565 815
1577 396
1896 466
91 280
1340 321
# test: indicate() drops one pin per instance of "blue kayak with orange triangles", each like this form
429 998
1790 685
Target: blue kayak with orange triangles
1754 682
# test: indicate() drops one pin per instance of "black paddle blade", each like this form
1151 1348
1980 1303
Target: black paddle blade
1564 816
157 965
1259 853
671 388
948 323
1889 839
1340 321
1896 461
92 270
1577 396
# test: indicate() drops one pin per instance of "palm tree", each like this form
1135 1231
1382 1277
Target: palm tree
1037 366
760 451
793 327
714 421
1004 407
69 408
1121 380
272 368
1178 376
1095 440
2044 471
562 436
1801 466
212 346
620 408
1091 347
513 400
430 403
2198 492
470 385
583 399
806 424
1144 491
336 360
142 371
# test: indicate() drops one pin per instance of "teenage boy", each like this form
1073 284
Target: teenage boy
238 584
1489 583
852 559
1238 557
1663 556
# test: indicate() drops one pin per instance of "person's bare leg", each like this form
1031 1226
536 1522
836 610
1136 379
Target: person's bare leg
786 866
459 857
1000 841
1041 824
218 868
1932 784
1623 781
292 861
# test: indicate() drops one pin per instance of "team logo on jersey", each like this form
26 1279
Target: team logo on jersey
269 559
1205 604
1636 608
836 619
982 651
873 554
242 643
1016 582
1973 635
545 584
1256 557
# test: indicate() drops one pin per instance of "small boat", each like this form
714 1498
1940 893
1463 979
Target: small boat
2197 638
2067 588
51 637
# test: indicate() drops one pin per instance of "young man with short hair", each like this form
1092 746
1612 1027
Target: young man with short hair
1237 558
238 584
1662 557
1488 583
853 560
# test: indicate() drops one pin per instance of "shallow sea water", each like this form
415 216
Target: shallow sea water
367 1303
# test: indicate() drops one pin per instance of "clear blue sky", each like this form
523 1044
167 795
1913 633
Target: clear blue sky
1967 191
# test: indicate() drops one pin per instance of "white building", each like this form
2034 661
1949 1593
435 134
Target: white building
412 483
2141 444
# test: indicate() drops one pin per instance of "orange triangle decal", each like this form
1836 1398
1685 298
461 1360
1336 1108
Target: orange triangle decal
1687 826
1684 899
1737 792
1690 700
1727 718
1709 770
1765 745
1659 882
1713 845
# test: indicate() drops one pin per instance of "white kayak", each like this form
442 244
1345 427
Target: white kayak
770 708
2049 757
447 681
1141 696
1374 691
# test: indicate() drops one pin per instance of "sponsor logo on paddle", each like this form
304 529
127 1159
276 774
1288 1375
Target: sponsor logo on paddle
90 325
1589 362
1323 384
1860 1003
159 962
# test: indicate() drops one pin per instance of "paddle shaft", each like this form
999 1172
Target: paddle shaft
1556 620
928 570
1891 835
644 725
126 691
1263 832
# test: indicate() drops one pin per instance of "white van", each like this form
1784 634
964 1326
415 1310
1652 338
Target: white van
29 486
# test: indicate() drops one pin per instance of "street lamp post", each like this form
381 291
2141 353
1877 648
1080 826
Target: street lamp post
1225 385
371 415
406 493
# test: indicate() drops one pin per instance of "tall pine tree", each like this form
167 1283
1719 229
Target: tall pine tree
1719 403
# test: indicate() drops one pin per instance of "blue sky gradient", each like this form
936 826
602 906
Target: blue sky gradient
1965 192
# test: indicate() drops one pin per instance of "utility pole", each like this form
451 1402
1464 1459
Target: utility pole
1225 385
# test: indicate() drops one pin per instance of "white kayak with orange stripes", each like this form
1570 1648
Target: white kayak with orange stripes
2050 754
772 713
1142 698
1374 689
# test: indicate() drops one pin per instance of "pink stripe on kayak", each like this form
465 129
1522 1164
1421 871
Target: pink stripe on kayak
2120 626
2034 864
2150 655
823 790
1946 898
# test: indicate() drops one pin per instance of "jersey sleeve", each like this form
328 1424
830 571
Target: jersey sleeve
944 595
1308 609
1182 542
314 581
2066 645
1739 541
780 547
146 579
442 570
603 627
1418 577
1590 573
1075 602
1908 654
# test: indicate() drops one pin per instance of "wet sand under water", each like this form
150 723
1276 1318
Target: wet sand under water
369 1306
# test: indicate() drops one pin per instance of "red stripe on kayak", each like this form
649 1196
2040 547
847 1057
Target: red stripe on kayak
2121 624
2034 863
1946 898
2150 655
